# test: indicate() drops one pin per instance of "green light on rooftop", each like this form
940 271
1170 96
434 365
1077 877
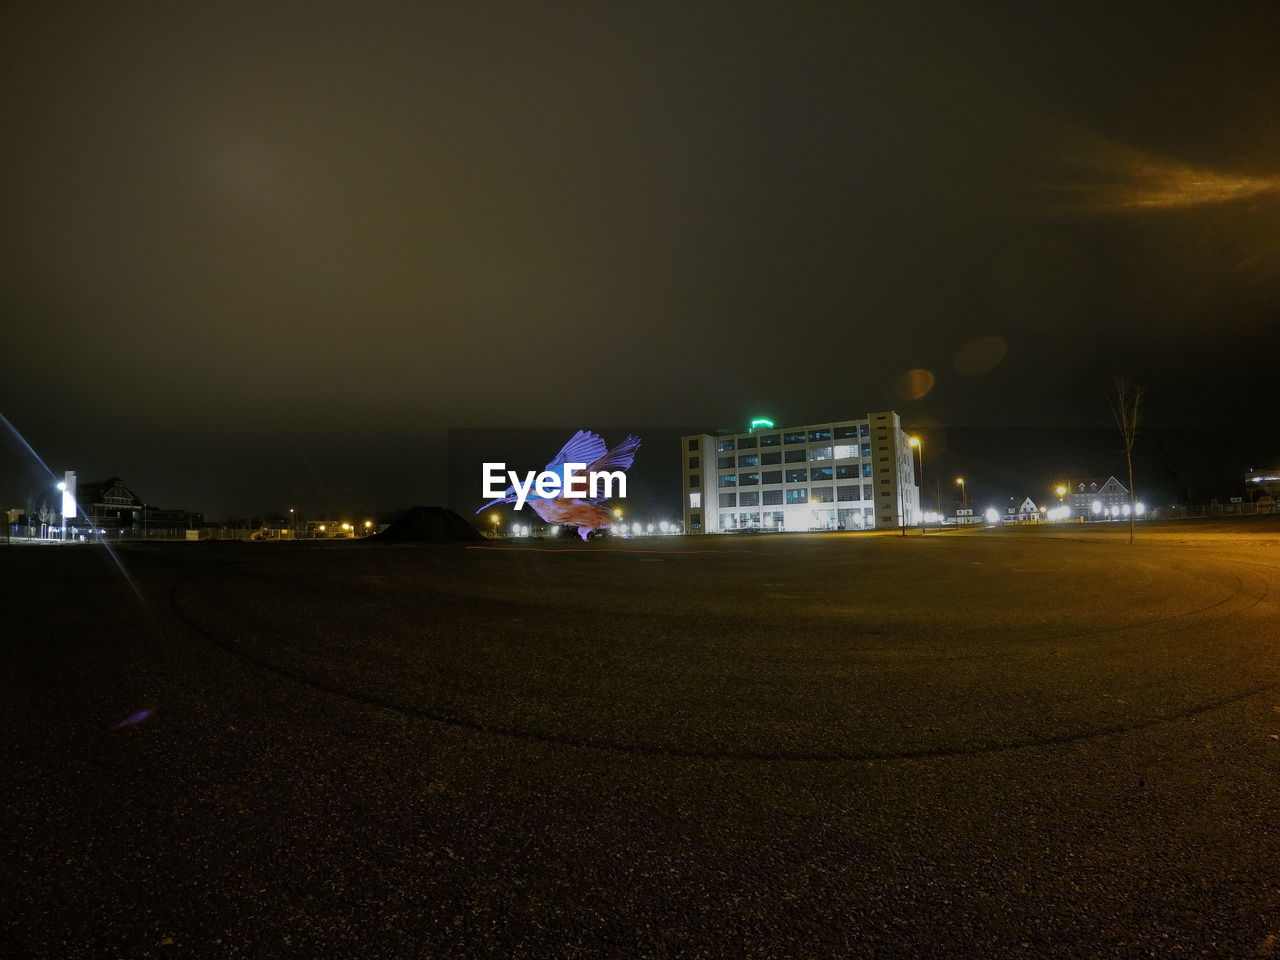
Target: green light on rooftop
760 423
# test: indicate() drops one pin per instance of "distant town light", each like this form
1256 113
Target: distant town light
993 516
1096 507
1139 508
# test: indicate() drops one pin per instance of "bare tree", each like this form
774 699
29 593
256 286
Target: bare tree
1126 407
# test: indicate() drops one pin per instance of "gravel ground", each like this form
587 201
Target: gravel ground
982 744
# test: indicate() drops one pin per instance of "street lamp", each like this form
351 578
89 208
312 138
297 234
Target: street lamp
964 492
617 513
493 518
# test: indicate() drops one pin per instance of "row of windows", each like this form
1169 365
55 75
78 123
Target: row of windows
850 431
854 519
798 475
845 493
838 452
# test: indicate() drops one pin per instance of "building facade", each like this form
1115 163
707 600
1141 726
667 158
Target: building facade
843 475
111 506
1109 493
1262 483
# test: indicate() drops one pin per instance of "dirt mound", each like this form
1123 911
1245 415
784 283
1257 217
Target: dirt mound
427 525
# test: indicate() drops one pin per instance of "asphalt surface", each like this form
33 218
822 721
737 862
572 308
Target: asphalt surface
988 744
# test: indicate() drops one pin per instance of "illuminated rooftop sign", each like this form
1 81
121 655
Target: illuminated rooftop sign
760 423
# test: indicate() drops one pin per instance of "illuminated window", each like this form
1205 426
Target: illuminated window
748 460
866 491
748 479
771 498
695 502
749 498
772 440
798 495
797 476
844 451
817 436
822 494
866 469
795 437
749 520
723 445
848 492
727 480
847 472
819 453
820 473
848 432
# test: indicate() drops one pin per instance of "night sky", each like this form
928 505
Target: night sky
267 255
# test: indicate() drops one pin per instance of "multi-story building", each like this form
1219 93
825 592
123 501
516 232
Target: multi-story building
841 475
1262 483
1109 493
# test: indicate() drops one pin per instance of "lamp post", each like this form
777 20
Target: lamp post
964 493
916 444
493 519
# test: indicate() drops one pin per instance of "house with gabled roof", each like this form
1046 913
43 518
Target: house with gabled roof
1085 492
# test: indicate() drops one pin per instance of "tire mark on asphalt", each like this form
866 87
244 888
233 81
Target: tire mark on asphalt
671 750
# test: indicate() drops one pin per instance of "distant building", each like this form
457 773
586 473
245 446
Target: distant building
111 506
841 475
1109 493
1262 483
1024 512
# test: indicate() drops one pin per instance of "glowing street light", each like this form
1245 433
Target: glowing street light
964 493
617 513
